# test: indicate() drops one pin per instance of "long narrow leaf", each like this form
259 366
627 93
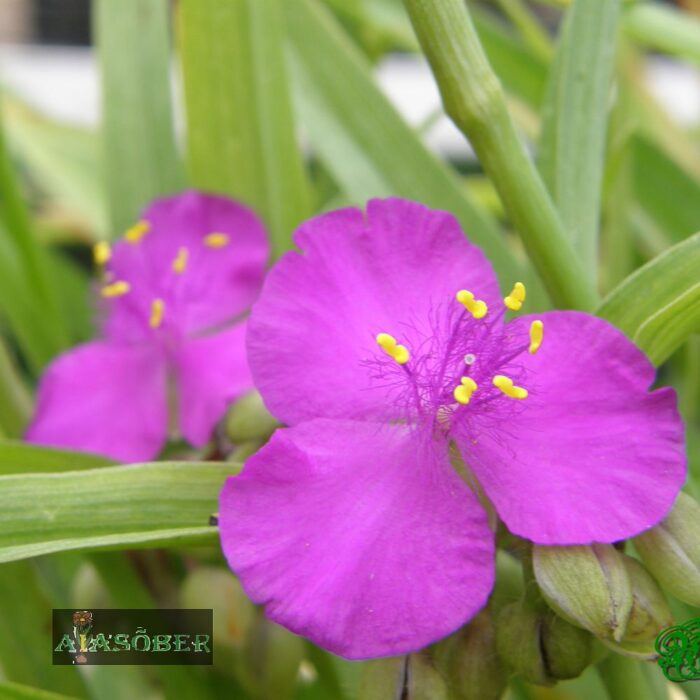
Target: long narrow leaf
241 138
15 399
140 158
658 307
364 143
572 144
146 505
22 458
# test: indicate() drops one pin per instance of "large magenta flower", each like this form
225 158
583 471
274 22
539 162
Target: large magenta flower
384 346
173 345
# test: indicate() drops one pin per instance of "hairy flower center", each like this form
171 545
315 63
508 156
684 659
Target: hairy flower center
466 360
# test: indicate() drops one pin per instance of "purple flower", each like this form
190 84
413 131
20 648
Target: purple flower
173 342
384 346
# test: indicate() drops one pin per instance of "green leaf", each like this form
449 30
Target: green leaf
140 157
19 457
17 691
26 298
658 307
664 28
365 145
63 160
575 112
241 139
25 635
669 194
15 399
142 505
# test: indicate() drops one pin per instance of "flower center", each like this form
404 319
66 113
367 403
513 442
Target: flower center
466 361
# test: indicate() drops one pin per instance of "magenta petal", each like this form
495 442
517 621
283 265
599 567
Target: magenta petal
313 330
103 398
211 372
358 536
217 283
590 455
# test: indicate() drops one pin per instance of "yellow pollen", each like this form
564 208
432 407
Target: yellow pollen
463 393
536 336
514 301
216 240
475 307
157 312
137 232
180 262
101 253
116 289
398 352
505 384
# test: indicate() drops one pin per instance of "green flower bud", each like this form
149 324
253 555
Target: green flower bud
248 419
566 650
671 550
215 588
518 642
587 585
650 614
539 646
468 660
408 677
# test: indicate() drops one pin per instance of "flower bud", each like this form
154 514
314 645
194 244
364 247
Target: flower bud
409 677
518 642
587 585
215 588
650 614
248 419
468 660
671 550
539 646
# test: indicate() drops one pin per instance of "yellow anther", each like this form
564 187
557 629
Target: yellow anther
101 253
180 262
137 231
157 312
398 352
463 393
475 307
216 240
536 336
514 301
505 384
116 289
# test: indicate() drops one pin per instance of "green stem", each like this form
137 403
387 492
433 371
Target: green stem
474 99
529 28
624 679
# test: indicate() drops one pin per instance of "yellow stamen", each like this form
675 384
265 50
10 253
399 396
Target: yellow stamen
536 336
463 393
101 253
505 384
180 262
116 289
514 301
475 307
137 232
157 312
398 352
216 240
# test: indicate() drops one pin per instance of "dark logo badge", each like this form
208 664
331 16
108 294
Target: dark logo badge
679 652
143 637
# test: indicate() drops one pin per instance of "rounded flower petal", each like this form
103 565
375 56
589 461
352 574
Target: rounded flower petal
312 337
591 455
358 536
211 371
104 398
203 255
